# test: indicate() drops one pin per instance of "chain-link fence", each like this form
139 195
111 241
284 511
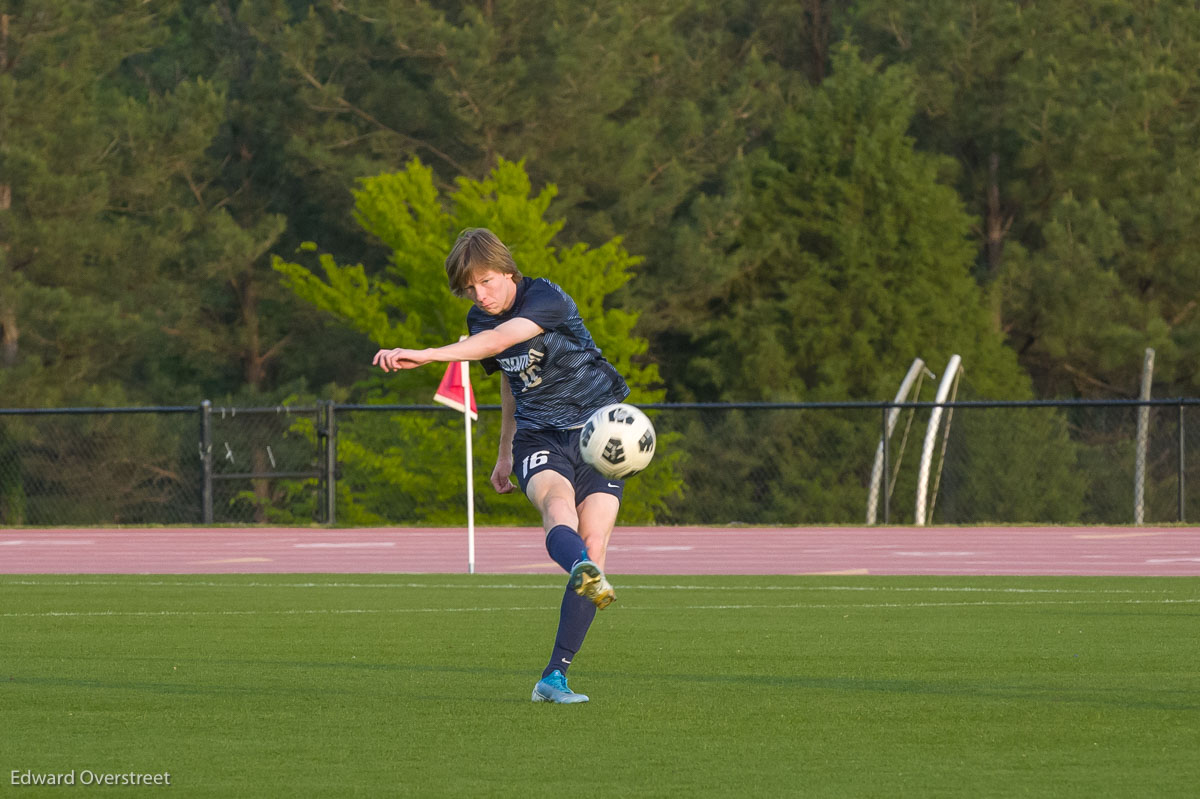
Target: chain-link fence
721 464
264 464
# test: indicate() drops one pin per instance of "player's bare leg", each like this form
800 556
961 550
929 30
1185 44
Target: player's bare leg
593 520
553 496
597 515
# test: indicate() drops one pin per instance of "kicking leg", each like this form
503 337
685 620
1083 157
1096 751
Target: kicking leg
575 537
597 515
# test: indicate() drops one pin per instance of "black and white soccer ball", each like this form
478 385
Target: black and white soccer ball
617 441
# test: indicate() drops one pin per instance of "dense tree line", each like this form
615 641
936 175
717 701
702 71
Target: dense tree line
811 192
809 184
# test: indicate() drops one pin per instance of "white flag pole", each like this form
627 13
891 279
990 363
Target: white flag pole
466 381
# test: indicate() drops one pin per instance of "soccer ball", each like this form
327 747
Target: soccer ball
617 441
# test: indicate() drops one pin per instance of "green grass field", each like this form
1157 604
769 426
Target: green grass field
334 685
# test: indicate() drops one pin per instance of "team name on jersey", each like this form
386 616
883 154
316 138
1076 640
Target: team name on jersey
527 367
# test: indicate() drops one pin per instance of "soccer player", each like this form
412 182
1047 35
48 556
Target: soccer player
554 378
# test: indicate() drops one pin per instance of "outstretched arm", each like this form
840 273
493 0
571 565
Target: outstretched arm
484 344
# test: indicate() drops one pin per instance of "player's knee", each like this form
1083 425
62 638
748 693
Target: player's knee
556 508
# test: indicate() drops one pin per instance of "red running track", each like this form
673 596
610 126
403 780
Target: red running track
1150 551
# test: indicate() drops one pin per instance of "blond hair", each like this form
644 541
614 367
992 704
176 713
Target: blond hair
476 249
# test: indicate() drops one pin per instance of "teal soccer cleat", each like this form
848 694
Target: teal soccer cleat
588 581
553 688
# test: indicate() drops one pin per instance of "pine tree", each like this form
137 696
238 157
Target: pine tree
91 173
1075 129
842 255
92 205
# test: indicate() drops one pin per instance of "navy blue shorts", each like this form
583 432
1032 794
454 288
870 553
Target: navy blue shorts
558 450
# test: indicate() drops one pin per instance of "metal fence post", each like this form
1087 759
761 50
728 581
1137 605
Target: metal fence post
330 464
1143 432
887 472
206 465
1182 462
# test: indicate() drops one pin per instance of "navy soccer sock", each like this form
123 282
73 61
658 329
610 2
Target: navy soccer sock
574 618
565 546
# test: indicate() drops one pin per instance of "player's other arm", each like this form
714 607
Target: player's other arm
483 344
502 474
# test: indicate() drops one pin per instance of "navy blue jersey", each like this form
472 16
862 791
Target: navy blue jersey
558 377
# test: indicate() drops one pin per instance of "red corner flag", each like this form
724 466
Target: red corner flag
450 392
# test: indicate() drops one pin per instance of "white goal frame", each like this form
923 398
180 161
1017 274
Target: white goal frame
915 372
948 385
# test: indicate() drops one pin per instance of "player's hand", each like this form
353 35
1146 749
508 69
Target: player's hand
502 477
399 358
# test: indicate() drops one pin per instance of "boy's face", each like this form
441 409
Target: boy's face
492 292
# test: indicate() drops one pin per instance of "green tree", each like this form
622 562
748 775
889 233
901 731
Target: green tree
844 255
234 331
631 108
92 206
90 174
963 55
1075 127
1112 134
841 253
406 466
